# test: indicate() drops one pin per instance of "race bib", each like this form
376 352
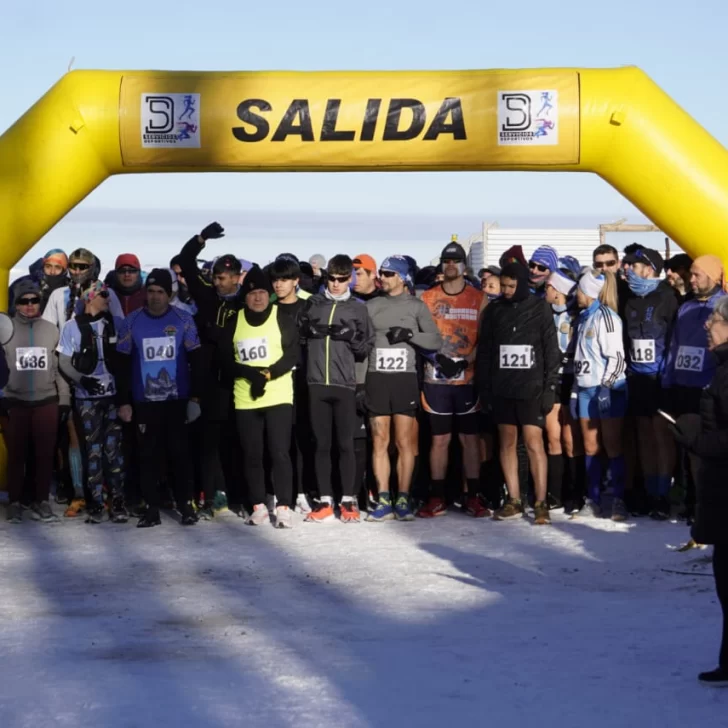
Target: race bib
582 366
392 360
516 357
31 358
440 377
161 349
690 359
107 384
643 351
252 349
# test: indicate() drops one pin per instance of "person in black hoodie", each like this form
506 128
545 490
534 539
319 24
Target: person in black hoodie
517 370
217 304
706 436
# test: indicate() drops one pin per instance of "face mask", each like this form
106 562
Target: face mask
558 307
641 286
493 296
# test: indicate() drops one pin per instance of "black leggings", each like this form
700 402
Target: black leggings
257 428
720 569
334 408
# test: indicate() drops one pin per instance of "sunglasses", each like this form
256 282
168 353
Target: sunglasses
104 294
605 264
339 279
540 268
127 271
79 266
28 302
387 273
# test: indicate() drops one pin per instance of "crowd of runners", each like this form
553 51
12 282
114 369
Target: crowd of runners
347 389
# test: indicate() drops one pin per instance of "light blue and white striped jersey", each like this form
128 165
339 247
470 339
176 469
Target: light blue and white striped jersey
565 323
599 359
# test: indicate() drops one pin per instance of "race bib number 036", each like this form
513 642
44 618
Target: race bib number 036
31 358
163 348
643 351
391 360
690 359
516 357
252 349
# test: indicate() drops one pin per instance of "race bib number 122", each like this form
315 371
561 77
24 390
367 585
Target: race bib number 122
391 360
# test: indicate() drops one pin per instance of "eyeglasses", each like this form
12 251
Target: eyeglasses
540 268
28 301
387 273
605 264
339 279
104 294
127 271
79 266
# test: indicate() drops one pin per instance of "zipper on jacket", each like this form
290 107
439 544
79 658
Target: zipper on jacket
32 373
328 338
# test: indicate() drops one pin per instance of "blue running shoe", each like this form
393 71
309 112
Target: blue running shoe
402 510
383 511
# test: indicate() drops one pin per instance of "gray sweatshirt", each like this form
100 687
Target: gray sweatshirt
410 313
34 374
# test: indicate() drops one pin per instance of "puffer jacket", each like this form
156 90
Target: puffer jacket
331 362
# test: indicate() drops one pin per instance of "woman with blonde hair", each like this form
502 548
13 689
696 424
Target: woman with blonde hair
599 398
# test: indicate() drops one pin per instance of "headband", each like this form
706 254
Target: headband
590 285
561 283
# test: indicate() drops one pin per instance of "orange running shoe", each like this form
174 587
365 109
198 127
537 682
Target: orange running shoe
75 508
322 512
433 508
475 508
350 512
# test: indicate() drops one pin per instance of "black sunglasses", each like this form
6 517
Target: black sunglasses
540 268
127 271
79 266
339 279
387 273
27 301
605 264
104 294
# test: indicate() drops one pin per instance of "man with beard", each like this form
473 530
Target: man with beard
543 262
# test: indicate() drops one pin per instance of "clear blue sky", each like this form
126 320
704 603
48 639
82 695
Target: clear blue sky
681 45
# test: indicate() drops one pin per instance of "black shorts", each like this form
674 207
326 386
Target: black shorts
451 407
645 395
681 400
518 412
563 391
392 394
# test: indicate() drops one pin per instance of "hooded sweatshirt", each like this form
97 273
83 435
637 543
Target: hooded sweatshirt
34 375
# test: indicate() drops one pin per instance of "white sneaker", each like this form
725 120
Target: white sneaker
270 503
302 504
284 518
259 516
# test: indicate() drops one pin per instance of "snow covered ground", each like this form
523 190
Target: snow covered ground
452 622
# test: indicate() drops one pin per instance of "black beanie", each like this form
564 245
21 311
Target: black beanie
518 273
256 280
160 277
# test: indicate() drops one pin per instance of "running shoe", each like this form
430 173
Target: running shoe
149 518
511 510
302 504
220 501
323 512
717 678
75 508
42 512
259 516
349 511
188 516
205 513
95 513
383 510
284 517
14 513
619 510
474 507
402 509
660 510
117 510
590 509
433 508
541 515
270 503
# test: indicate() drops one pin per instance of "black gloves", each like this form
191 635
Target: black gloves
93 386
213 231
342 332
257 386
256 378
399 335
548 400
63 411
449 367
361 401
312 329
687 430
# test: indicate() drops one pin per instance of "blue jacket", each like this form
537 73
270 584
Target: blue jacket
689 363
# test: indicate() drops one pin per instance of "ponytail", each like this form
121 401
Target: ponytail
608 295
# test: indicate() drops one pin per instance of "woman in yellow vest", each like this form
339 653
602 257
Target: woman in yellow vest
264 352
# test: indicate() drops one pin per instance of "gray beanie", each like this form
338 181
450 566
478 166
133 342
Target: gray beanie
318 260
23 286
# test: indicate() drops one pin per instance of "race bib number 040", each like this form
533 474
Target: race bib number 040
391 360
31 358
163 348
690 359
516 357
252 349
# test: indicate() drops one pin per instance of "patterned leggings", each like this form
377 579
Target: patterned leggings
101 429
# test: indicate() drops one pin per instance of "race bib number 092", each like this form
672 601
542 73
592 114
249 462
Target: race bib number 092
516 357
252 349
391 360
163 348
31 358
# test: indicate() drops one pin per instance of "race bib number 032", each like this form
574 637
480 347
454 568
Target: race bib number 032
690 359
391 360
31 358
252 349
163 348
516 357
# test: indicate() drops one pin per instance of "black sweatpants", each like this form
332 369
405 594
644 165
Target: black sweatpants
333 409
720 569
162 433
257 428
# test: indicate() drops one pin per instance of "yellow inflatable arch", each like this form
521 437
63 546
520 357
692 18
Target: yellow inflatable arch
616 123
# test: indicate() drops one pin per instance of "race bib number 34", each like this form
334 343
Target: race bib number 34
252 349
163 348
516 357
391 360
690 359
31 358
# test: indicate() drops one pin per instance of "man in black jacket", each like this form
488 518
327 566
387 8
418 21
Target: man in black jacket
517 369
217 304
